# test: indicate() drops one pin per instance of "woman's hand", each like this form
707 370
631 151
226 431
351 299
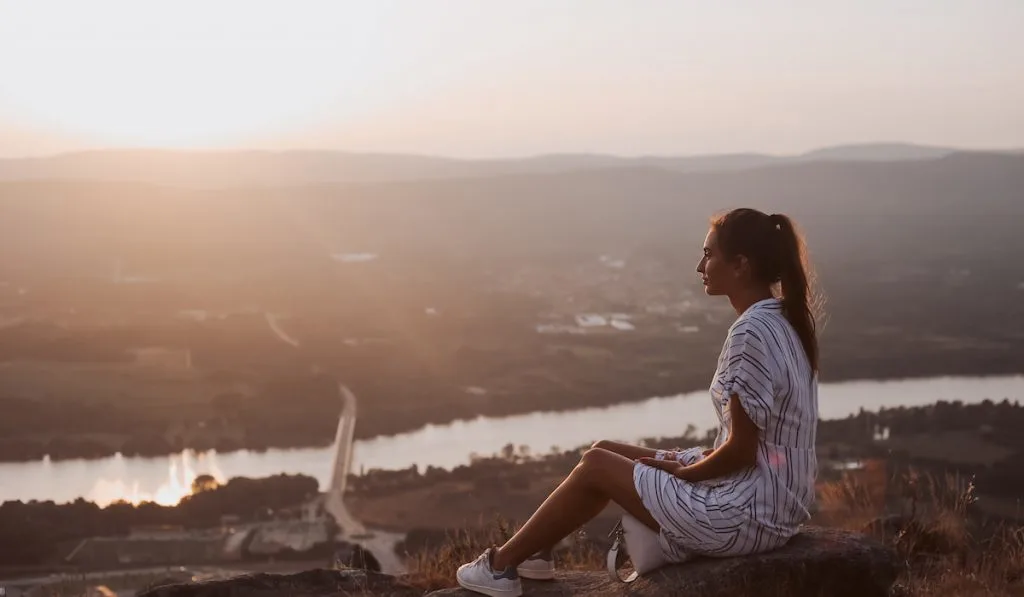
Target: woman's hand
672 467
737 453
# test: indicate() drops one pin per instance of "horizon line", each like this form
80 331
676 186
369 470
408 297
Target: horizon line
513 157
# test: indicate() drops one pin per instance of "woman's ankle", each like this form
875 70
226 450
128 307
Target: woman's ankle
496 557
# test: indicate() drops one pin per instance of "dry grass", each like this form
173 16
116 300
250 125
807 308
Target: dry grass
943 552
433 569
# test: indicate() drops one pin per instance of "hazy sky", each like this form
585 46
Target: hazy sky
488 78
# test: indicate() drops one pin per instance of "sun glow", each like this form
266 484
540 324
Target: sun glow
180 474
177 74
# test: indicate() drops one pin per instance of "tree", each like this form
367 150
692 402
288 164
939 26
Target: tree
204 483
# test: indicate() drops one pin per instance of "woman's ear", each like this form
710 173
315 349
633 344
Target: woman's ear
741 266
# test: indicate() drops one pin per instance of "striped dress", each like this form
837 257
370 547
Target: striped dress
761 507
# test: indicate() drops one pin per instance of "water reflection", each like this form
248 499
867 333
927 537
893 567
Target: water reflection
182 470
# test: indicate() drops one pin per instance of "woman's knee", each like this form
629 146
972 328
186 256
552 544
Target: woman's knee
592 455
602 444
598 462
591 460
606 472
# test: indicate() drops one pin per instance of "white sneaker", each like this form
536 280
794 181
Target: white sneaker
539 566
479 577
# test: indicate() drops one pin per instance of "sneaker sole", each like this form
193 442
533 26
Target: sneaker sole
537 574
489 591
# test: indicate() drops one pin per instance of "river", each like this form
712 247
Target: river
166 479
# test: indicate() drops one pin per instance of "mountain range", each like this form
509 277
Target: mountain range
222 169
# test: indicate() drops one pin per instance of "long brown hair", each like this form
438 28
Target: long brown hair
777 254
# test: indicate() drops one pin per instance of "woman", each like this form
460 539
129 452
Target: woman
752 491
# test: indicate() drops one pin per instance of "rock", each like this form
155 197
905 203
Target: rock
817 562
321 582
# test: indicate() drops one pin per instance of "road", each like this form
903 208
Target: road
275 327
380 543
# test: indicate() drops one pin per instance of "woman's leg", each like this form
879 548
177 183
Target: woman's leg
600 477
628 450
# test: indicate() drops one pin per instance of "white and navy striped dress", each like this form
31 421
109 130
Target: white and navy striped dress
758 508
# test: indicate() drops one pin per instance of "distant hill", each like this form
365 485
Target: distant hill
896 211
876 152
223 169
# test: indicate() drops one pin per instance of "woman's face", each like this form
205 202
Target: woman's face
717 272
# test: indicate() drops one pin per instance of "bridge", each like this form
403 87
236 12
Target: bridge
380 544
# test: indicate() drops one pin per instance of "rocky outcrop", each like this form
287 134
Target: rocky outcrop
816 563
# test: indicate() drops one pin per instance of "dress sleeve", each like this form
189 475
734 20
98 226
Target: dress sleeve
748 373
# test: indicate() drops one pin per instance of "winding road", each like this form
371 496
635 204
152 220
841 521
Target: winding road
275 327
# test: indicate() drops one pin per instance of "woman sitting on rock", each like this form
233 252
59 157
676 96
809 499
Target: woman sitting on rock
752 491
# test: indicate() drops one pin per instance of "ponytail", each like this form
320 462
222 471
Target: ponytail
778 255
799 297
